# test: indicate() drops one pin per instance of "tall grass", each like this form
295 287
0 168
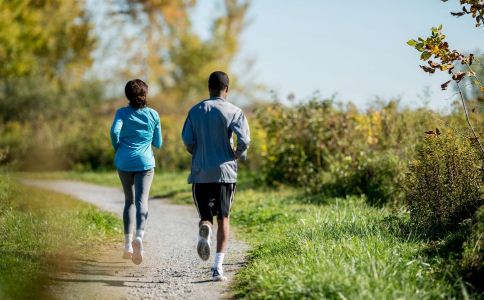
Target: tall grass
341 250
40 231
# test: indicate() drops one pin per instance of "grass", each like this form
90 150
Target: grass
341 249
40 231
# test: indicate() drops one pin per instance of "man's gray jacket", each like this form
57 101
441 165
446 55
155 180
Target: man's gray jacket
207 135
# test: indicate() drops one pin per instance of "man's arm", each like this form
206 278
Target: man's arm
188 136
116 130
241 128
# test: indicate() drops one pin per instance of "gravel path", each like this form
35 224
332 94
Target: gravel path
171 268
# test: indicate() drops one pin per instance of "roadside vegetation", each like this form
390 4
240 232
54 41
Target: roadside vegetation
332 248
338 202
40 232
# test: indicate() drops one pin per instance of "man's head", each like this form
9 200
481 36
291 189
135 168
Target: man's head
218 84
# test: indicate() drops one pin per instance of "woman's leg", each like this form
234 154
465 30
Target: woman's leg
127 181
142 185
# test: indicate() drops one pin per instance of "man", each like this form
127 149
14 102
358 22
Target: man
207 135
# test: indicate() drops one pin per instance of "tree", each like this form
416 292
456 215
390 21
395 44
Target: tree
45 49
170 54
435 51
470 89
50 37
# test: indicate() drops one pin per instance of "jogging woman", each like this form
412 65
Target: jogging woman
135 128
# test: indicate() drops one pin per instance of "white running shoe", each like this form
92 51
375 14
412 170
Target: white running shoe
128 253
203 246
137 256
218 274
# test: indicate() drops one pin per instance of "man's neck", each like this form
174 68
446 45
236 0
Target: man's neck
217 96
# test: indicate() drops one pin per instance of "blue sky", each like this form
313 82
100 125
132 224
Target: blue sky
354 48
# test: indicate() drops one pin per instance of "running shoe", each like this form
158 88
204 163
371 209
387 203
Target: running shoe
203 246
217 275
128 253
137 256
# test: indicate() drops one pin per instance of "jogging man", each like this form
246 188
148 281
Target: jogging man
207 135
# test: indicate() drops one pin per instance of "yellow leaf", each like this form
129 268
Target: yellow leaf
445 67
435 50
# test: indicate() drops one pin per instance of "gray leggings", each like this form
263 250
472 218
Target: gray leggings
136 187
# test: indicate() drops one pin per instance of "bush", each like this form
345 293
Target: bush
329 148
15 141
87 146
473 255
375 177
172 155
303 141
443 183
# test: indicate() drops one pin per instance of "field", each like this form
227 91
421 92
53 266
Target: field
340 248
40 232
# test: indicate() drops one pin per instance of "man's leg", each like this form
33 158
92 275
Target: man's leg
201 196
227 192
223 232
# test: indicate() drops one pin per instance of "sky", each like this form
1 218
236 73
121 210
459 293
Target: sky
356 49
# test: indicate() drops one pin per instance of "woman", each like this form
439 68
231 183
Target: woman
135 128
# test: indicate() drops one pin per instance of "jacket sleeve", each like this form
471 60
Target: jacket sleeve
240 127
157 137
116 130
188 136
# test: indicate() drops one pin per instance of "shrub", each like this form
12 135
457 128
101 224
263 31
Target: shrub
443 182
172 155
376 177
87 146
302 141
473 255
15 141
329 148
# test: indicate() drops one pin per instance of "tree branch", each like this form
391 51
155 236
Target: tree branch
467 117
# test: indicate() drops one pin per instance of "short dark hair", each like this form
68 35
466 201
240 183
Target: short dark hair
218 81
136 91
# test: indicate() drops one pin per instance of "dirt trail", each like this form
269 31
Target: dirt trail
171 268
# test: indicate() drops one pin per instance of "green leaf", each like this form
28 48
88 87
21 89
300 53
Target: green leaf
412 43
425 55
440 27
419 47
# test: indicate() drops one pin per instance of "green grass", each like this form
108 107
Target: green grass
38 226
342 249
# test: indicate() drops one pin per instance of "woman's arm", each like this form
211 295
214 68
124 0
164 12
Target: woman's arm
157 138
116 130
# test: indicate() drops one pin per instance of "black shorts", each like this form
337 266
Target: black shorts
213 199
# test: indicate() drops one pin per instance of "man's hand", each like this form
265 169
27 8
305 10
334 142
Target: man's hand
189 148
